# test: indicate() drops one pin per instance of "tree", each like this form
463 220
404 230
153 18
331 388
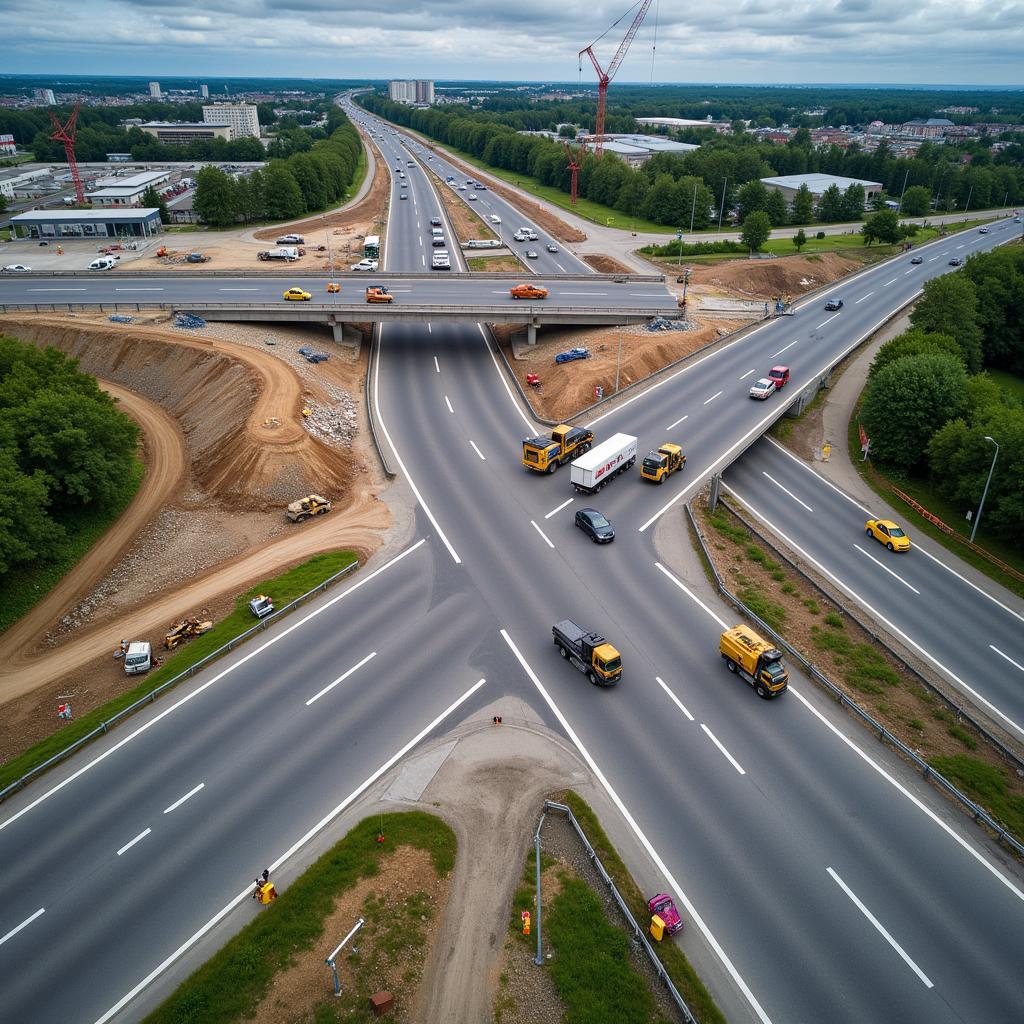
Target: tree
914 342
27 532
282 197
756 230
803 206
800 239
853 202
917 201
949 305
752 196
883 226
775 207
830 206
152 199
907 401
215 201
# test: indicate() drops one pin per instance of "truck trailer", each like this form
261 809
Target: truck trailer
589 652
754 659
592 471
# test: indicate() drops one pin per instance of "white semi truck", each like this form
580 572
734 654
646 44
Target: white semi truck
590 472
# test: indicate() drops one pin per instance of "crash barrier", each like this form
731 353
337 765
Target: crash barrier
370 393
184 674
950 532
638 933
978 813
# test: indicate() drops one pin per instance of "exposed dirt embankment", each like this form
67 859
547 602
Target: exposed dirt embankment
238 408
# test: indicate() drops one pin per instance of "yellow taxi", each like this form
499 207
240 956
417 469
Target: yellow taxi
297 295
886 532
333 286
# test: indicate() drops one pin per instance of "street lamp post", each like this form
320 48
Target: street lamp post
693 208
984 493
721 208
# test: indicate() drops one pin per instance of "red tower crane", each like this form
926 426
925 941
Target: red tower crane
574 168
604 77
66 133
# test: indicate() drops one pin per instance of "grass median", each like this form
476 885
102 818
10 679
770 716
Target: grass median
284 588
232 983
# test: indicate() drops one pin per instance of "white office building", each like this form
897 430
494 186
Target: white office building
46 96
241 117
204 91
415 90
154 91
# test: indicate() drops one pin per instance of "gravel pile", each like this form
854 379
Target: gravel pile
661 324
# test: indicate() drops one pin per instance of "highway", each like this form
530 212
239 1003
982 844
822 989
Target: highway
828 881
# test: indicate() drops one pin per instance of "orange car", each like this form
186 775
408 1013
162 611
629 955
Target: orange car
376 293
529 291
333 286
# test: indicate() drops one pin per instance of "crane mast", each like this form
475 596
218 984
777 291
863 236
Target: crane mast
604 77
66 133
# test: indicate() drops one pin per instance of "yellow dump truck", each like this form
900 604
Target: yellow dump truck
755 660
660 465
546 454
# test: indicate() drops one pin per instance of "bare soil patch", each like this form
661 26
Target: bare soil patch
464 221
605 264
567 388
407 890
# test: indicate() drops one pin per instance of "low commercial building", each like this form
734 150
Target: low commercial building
126 191
89 224
16 180
7 146
636 150
789 185
182 132
686 122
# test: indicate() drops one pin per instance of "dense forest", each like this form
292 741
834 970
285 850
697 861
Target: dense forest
668 189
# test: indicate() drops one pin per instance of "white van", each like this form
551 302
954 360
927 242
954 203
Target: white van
103 263
495 219
437 232
138 658
440 261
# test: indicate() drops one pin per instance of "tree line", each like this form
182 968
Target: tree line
304 182
929 404
723 173
65 447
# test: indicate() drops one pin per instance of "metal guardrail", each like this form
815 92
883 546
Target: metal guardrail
978 813
368 391
638 932
148 698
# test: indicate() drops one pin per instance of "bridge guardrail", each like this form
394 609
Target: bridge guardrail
289 269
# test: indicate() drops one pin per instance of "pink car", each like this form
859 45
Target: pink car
664 906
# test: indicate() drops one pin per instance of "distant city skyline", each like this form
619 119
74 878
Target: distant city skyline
747 42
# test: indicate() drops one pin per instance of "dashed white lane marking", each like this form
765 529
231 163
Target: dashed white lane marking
786 490
863 297
1015 664
24 924
825 323
554 511
888 570
678 421
878 924
725 753
542 534
449 404
437 365
341 678
138 838
477 450
191 793
748 373
712 398
672 697
784 348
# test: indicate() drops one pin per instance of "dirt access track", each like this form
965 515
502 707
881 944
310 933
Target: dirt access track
224 438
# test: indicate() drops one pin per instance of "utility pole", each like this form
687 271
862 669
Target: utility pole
721 208
984 493
904 189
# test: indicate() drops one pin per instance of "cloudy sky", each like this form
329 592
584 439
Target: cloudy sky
942 42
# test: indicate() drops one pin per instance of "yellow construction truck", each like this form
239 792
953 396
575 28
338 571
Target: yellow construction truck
546 454
660 465
589 652
755 660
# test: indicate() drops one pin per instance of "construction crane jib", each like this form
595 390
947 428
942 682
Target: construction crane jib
604 77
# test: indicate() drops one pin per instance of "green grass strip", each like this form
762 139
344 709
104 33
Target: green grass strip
284 588
985 784
23 587
231 984
683 976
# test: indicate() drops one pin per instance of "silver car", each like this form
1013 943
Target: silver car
762 388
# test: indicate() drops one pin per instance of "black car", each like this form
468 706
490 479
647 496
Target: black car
956 261
834 304
595 526
917 260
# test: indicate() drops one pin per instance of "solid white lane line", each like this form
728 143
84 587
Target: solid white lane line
672 697
786 490
191 793
28 920
437 365
341 678
878 615
892 281
888 570
246 893
878 924
690 594
678 421
748 373
725 753
1015 664
276 638
713 397
504 380
825 323
821 479
541 532
638 832
398 458
784 348
449 404
128 846
973 586
863 297
477 450
568 501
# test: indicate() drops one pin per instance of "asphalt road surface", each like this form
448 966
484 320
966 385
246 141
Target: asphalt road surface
829 881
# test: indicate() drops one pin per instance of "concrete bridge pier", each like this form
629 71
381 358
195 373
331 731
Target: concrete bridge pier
522 337
347 335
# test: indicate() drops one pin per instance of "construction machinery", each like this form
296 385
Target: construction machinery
66 133
660 465
306 508
604 77
588 652
546 454
185 630
754 659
